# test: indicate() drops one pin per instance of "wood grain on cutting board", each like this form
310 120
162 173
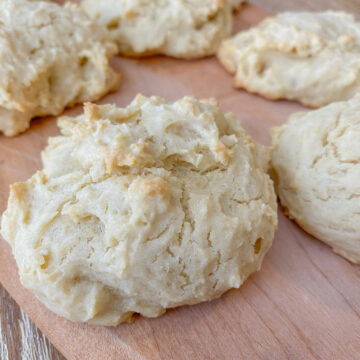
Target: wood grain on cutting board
303 304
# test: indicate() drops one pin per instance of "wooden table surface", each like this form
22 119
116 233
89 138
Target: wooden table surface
19 338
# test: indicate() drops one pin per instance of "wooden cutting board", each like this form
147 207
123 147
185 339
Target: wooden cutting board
303 304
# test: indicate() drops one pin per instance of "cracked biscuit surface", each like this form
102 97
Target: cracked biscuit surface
316 167
140 209
179 28
306 56
51 57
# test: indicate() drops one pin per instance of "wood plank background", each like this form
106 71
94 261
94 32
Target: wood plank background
19 338
274 6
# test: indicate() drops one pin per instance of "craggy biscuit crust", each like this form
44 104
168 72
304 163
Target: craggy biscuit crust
316 168
51 57
180 28
140 209
305 56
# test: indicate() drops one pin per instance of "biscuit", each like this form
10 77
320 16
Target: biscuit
51 57
140 209
180 28
316 168
304 56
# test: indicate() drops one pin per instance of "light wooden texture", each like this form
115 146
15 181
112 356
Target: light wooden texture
274 6
19 338
303 304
